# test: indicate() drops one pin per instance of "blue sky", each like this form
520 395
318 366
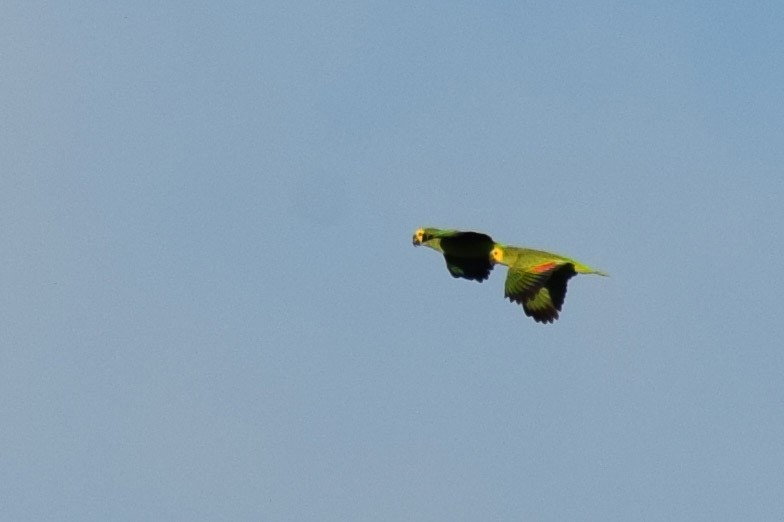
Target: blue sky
210 307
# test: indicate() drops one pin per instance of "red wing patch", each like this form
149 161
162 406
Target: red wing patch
544 267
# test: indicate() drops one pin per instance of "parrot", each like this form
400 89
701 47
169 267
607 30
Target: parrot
537 280
467 254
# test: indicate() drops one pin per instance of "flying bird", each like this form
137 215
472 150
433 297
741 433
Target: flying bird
537 280
467 254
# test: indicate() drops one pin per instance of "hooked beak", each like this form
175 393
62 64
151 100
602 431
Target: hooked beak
415 241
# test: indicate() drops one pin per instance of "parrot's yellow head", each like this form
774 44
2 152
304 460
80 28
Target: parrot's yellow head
497 255
419 237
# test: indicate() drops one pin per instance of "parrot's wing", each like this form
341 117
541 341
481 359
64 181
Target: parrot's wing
467 255
545 304
522 284
474 269
540 288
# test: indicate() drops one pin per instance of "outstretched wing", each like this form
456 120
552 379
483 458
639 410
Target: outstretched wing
522 285
541 288
545 304
467 255
468 268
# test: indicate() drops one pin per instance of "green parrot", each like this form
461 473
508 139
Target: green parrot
537 280
467 254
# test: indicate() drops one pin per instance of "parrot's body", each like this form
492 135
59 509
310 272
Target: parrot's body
537 280
467 254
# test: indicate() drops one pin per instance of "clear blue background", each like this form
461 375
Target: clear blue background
210 308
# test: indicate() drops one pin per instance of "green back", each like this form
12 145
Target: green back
527 257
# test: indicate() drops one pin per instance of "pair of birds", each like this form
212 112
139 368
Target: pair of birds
536 279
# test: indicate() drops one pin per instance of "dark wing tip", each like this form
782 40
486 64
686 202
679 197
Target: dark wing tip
544 316
468 268
557 283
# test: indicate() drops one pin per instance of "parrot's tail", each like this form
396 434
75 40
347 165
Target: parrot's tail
585 269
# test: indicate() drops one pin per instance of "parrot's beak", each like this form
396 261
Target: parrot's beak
416 242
